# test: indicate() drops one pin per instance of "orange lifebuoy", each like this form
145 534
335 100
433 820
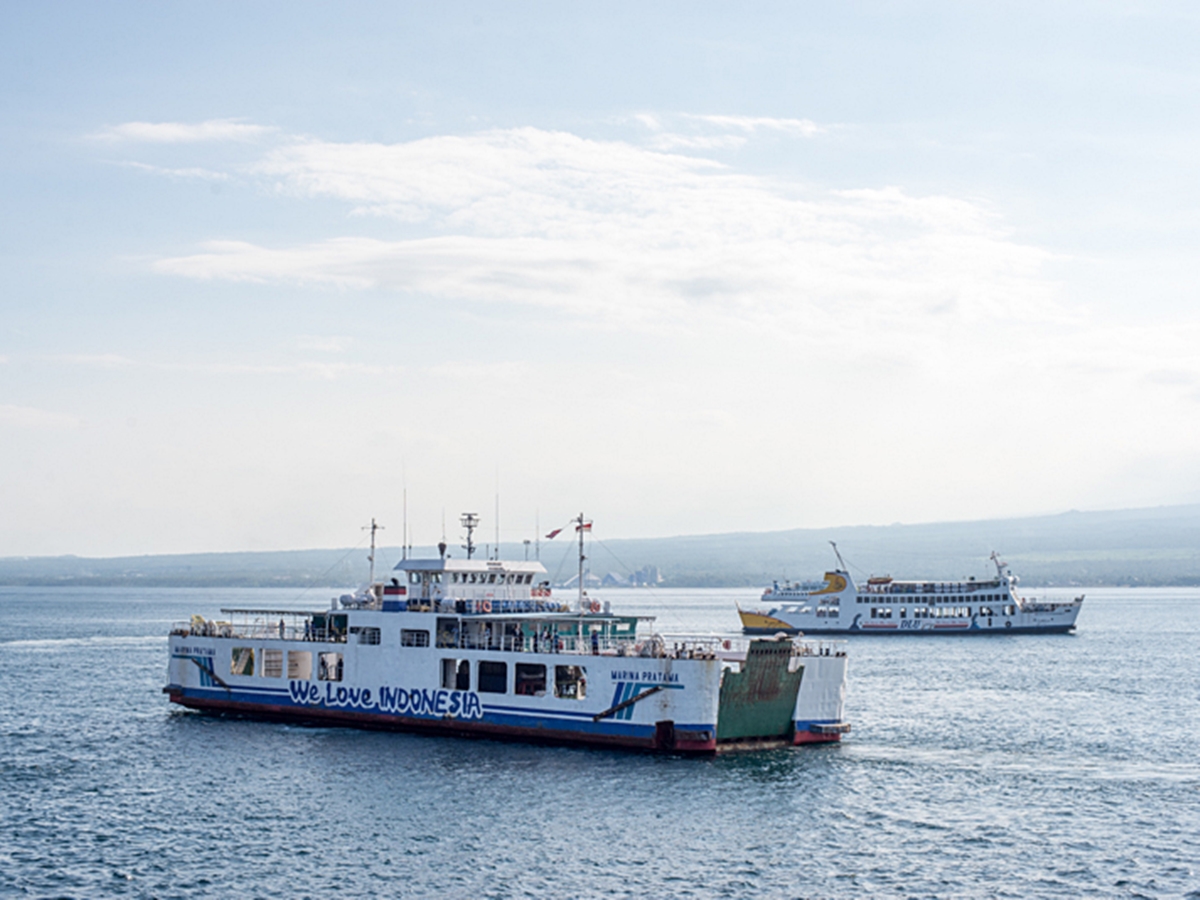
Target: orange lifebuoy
595 606
486 606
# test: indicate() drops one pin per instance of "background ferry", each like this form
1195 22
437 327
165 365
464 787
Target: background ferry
481 648
887 606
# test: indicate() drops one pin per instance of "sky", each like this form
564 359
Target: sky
270 270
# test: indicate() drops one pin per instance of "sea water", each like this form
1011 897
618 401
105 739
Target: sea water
998 766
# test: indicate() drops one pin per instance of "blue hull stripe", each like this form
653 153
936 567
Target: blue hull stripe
571 723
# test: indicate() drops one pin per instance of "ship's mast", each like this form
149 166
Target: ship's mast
841 564
469 522
580 527
374 528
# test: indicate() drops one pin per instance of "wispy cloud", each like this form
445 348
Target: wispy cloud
324 343
610 230
751 124
693 131
97 360
184 132
188 173
28 417
306 368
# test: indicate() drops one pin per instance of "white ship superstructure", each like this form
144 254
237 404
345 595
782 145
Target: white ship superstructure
890 606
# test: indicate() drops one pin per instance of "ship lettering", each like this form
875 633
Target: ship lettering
648 677
457 704
302 692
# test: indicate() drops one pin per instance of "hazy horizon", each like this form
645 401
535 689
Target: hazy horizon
455 536
687 268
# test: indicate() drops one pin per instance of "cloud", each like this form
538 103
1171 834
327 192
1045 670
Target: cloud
691 131
98 360
324 343
305 368
184 132
27 417
187 173
751 124
611 231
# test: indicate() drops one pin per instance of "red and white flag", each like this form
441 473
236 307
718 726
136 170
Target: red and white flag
586 526
552 535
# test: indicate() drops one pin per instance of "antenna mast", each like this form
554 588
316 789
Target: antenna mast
469 521
374 528
580 527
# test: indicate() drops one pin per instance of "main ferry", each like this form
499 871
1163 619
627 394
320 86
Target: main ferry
482 648
884 605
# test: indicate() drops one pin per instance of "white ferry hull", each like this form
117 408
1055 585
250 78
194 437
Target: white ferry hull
402 700
644 703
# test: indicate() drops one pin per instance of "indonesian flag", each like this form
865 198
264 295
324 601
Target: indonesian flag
552 535
586 526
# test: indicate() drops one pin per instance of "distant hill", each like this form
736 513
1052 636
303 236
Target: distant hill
1158 546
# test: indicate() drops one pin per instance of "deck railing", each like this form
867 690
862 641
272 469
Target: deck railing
656 646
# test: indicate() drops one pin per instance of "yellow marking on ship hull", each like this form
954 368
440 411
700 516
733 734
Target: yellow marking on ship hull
836 584
758 620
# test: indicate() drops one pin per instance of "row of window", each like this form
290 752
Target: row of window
330 666
941 612
529 679
472 577
992 598
491 676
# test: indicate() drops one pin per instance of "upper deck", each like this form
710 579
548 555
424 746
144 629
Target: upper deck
970 586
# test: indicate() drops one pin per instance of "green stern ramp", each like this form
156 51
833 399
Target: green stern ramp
757 703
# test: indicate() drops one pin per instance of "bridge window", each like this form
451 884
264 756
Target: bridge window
242 661
412 637
329 667
300 664
570 682
493 677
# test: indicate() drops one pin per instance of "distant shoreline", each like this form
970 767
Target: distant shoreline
1155 547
